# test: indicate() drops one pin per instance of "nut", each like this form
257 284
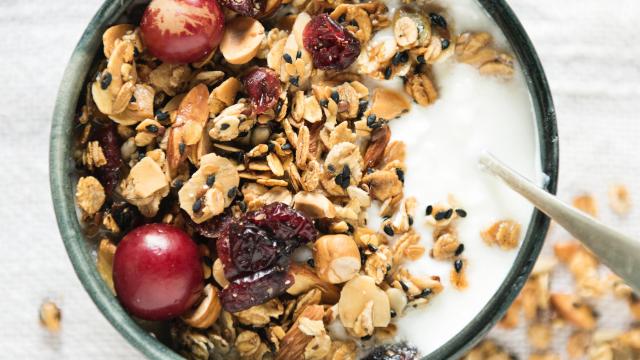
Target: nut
388 104
241 40
218 273
207 312
397 300
354 297
573 311
306 279
337 258
314 205
145 186
295 341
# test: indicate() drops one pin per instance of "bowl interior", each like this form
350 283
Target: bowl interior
62 179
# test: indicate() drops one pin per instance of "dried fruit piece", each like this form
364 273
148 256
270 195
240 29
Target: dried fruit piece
263 87
255 289
252 249
109 173
332 47
251 8
286 224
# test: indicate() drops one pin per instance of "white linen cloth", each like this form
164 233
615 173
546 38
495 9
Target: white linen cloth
590 50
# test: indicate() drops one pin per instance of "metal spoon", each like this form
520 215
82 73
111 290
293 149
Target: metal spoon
619 252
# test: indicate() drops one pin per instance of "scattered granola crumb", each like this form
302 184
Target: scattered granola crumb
503 233
50 316
619 199
587 204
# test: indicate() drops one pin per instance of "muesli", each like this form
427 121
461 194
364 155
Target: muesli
229 155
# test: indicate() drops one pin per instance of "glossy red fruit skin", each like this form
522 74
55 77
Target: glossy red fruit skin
263 87
182 31
332 46
157 272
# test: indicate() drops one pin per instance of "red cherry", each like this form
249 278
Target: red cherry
157 272
182 31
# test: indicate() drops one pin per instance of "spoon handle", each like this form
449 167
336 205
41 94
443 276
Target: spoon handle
619 252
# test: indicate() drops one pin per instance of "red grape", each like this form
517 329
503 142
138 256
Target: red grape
157 272
182 31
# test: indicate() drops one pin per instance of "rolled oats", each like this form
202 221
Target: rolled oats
619 199
503 233
90 195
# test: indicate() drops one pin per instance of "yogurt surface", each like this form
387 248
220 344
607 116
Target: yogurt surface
473 113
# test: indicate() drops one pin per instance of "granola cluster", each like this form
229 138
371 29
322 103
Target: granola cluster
546 311
184 144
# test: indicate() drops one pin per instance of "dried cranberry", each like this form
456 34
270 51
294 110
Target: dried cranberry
332 46
263 87
125 215
212 228
251 8
255 289
109 174
399 351
285 223
252 249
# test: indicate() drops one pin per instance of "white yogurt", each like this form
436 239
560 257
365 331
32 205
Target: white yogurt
473 113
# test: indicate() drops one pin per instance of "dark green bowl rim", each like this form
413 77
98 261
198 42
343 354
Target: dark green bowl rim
61 172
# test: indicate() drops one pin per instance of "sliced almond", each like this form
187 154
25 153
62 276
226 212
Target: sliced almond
337 258
314 205
356 294
388 104
306 279
241 40
112 34
294 342
207 311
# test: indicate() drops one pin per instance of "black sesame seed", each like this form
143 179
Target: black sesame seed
242 205
136 52
211 179
106 80
286 147
365 338
342 18
207 261
420 59
460 249
400 174
161 115
429 210
350 228
287 58
388 230
298 54
396 59
438 20
197 205
370 170
177 184
425 293
362 107
182 147
410 220
363 257
404 286
440 215
132 99
376 124
388 267
324 103
393 313
335 96
294 80
311 262
445 44
278 107
387 73
353 23
371 119
232 192
448 214
271 146
152 128
462 213
243 134
458 265
404 56
386 217
224 126
331 168
372 248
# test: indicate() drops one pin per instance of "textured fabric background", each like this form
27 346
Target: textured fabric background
589 48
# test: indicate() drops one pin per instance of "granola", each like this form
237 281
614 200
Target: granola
268 127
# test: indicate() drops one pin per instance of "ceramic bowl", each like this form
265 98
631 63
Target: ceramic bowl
63 179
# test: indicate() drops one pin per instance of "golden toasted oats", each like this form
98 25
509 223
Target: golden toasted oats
458 274
421 88
503 233
261 315
475 49
577 344
50 316
90 195
539 335
93 156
